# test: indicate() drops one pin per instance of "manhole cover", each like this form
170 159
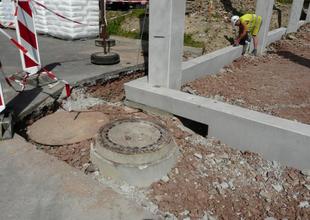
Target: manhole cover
63 127
133 136
137 151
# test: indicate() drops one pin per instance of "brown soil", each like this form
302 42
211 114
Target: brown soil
277 83
113 90
210 177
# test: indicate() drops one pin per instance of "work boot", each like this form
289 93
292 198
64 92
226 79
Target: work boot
254 52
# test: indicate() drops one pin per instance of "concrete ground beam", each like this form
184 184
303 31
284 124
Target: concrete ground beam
275 138
264 8
295 16
308 14
166 35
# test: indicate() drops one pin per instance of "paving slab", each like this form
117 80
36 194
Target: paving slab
35 186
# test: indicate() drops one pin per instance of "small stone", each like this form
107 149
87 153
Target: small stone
265 195
197 155
231 185
304 204
270 218
176 171
307 186
224 185
207 216
165 179
90 169
305 172
277 187
210 155
185 213
291 37
275 164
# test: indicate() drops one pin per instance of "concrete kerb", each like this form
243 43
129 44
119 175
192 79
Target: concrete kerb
275 138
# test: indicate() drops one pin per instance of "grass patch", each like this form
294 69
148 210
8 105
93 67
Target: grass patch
115 25
189 41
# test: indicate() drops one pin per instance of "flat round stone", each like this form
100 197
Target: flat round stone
63 128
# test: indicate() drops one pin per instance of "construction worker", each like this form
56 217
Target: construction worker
249 26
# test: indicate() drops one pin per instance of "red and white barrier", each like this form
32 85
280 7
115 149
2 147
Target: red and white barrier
27 37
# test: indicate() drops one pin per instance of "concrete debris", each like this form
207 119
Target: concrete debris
306 172
207 216
277 187
270 218
197 155
185 213
307 186
165 179
304 204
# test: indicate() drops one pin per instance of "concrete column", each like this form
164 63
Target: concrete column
308 14
166 35
264 8
295 16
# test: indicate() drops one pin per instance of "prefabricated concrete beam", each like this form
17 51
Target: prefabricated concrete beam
166 35
209 63
275 35
264 9
295 16
308 14
275 138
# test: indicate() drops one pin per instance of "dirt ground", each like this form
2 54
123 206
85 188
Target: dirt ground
277 83
210 180
209 21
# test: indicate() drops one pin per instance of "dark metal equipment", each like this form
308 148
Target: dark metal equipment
106 57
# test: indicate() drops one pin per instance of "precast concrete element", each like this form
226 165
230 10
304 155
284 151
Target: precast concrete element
6 126
210 63
213 62
264 8
275 138
136 151
166 35
275 35
308 14
64 127
295 16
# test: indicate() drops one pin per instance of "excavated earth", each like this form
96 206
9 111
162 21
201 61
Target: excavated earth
210 180
277 83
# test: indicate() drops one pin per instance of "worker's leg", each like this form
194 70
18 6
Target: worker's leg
255 33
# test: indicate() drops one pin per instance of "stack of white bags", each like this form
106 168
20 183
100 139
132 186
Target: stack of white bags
83 11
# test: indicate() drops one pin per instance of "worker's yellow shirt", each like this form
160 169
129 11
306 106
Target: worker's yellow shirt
252 23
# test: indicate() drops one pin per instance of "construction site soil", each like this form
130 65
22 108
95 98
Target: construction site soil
210 180
277 83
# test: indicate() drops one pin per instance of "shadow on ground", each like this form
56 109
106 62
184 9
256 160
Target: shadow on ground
295 58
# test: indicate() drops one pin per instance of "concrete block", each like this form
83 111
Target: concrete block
6 126
210 63
295 16
275 35
166 35
308 14
264 8
275 138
